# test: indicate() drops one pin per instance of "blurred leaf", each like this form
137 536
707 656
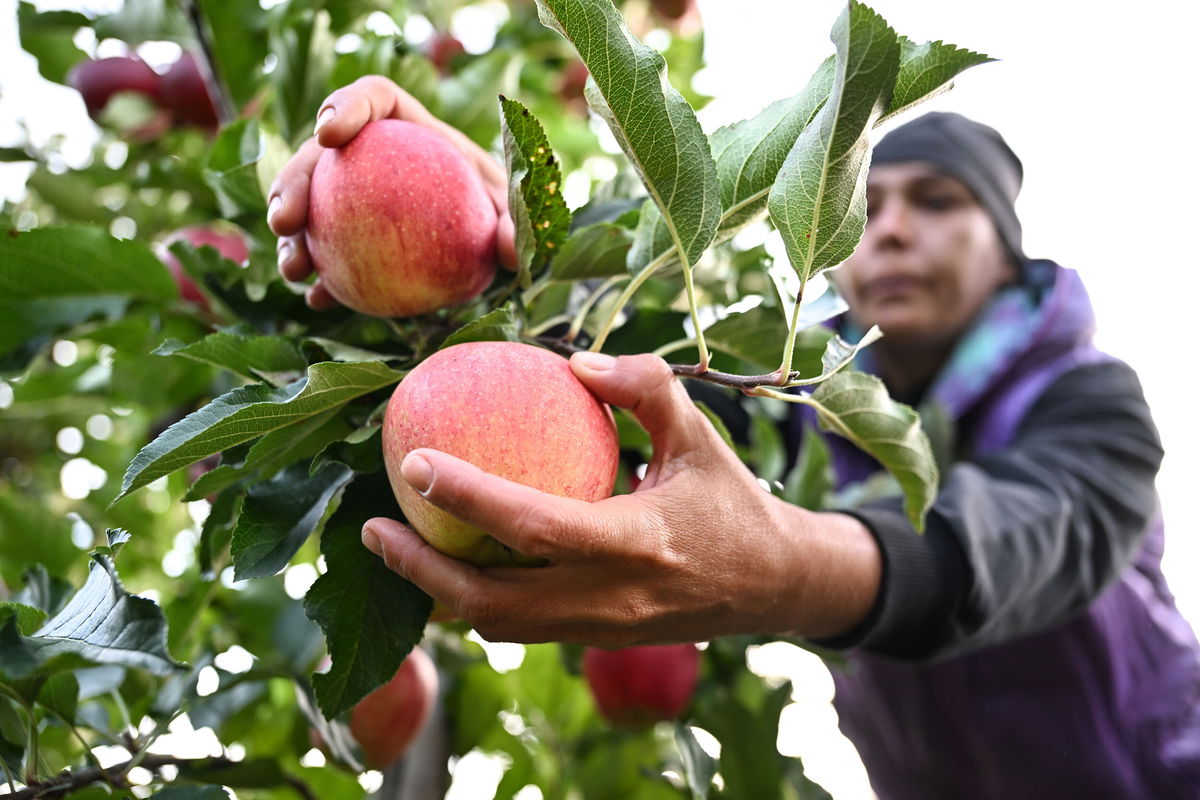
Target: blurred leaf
60 694
818 202
12 737
254 357
371 616
52 279
926 70
856 405
467 99
252 773
14 154
717 422
757 337
496 326
651 121
535 183
749 763
140 21
304 48
811 479
239 44
185 792
252 411
29 618
33 535
49 36
278 516
231 170
766 444
595 251
698 766
43 590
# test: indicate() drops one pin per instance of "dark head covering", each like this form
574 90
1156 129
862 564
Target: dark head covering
971 152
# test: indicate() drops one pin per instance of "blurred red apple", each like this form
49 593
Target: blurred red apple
637 686
186 93
571 84
385 722
229 244
443 49
98 80
400 223
511 409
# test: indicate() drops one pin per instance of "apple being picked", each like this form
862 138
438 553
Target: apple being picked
385 722
635 687
399 222
511 409
228 243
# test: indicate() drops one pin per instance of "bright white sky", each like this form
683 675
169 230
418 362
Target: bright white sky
1095 103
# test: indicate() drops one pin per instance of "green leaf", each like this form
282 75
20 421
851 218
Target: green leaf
811 480
717 423
857 406
698 766
29 618
52 279
757 337
839 354
654 125
12 737
248 412
594 251
255 357
371 616
304 48
535 184
360 451
140 21
49 37
750 764
43 590
60 694
186 792
496 326
279 515
231 170
254 773
926 70
749 155
467 99
18 658
239 47
818 202
104 624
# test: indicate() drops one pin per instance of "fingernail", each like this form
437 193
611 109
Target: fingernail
273 208
327 114
284 253
418 472
371 541
596 362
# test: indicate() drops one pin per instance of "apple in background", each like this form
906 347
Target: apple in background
570 86
511 409
98 80
385 722
634 687
443 49
681 16
400 223
229 244
185 92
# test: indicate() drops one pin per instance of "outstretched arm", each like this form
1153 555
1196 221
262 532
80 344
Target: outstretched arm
699 550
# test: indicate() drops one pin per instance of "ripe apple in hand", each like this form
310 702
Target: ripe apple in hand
635 687
511 409
399 222
229 244
385 722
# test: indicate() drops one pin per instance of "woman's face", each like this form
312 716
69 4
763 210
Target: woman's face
929 259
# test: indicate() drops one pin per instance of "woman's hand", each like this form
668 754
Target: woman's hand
699 550
341 117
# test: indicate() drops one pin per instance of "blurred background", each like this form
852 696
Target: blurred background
1096 103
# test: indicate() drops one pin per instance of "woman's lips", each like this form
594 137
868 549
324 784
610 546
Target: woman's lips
892 286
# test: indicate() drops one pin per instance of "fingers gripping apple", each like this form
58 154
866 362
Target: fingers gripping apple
511 409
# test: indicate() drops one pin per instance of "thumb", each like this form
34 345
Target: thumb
645 385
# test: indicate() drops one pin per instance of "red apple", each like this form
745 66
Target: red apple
443 49
637 686
186 92
385 722
511 409
98 80
571 85
400 223
231 245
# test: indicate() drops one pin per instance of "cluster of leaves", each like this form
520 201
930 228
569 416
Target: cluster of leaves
264 416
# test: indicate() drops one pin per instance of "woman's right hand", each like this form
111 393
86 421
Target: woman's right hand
340 118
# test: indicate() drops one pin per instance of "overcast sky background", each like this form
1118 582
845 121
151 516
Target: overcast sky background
1095 102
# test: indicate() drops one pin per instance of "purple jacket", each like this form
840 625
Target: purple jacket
1100 697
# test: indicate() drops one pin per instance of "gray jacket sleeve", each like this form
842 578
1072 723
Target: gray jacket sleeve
1024 538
